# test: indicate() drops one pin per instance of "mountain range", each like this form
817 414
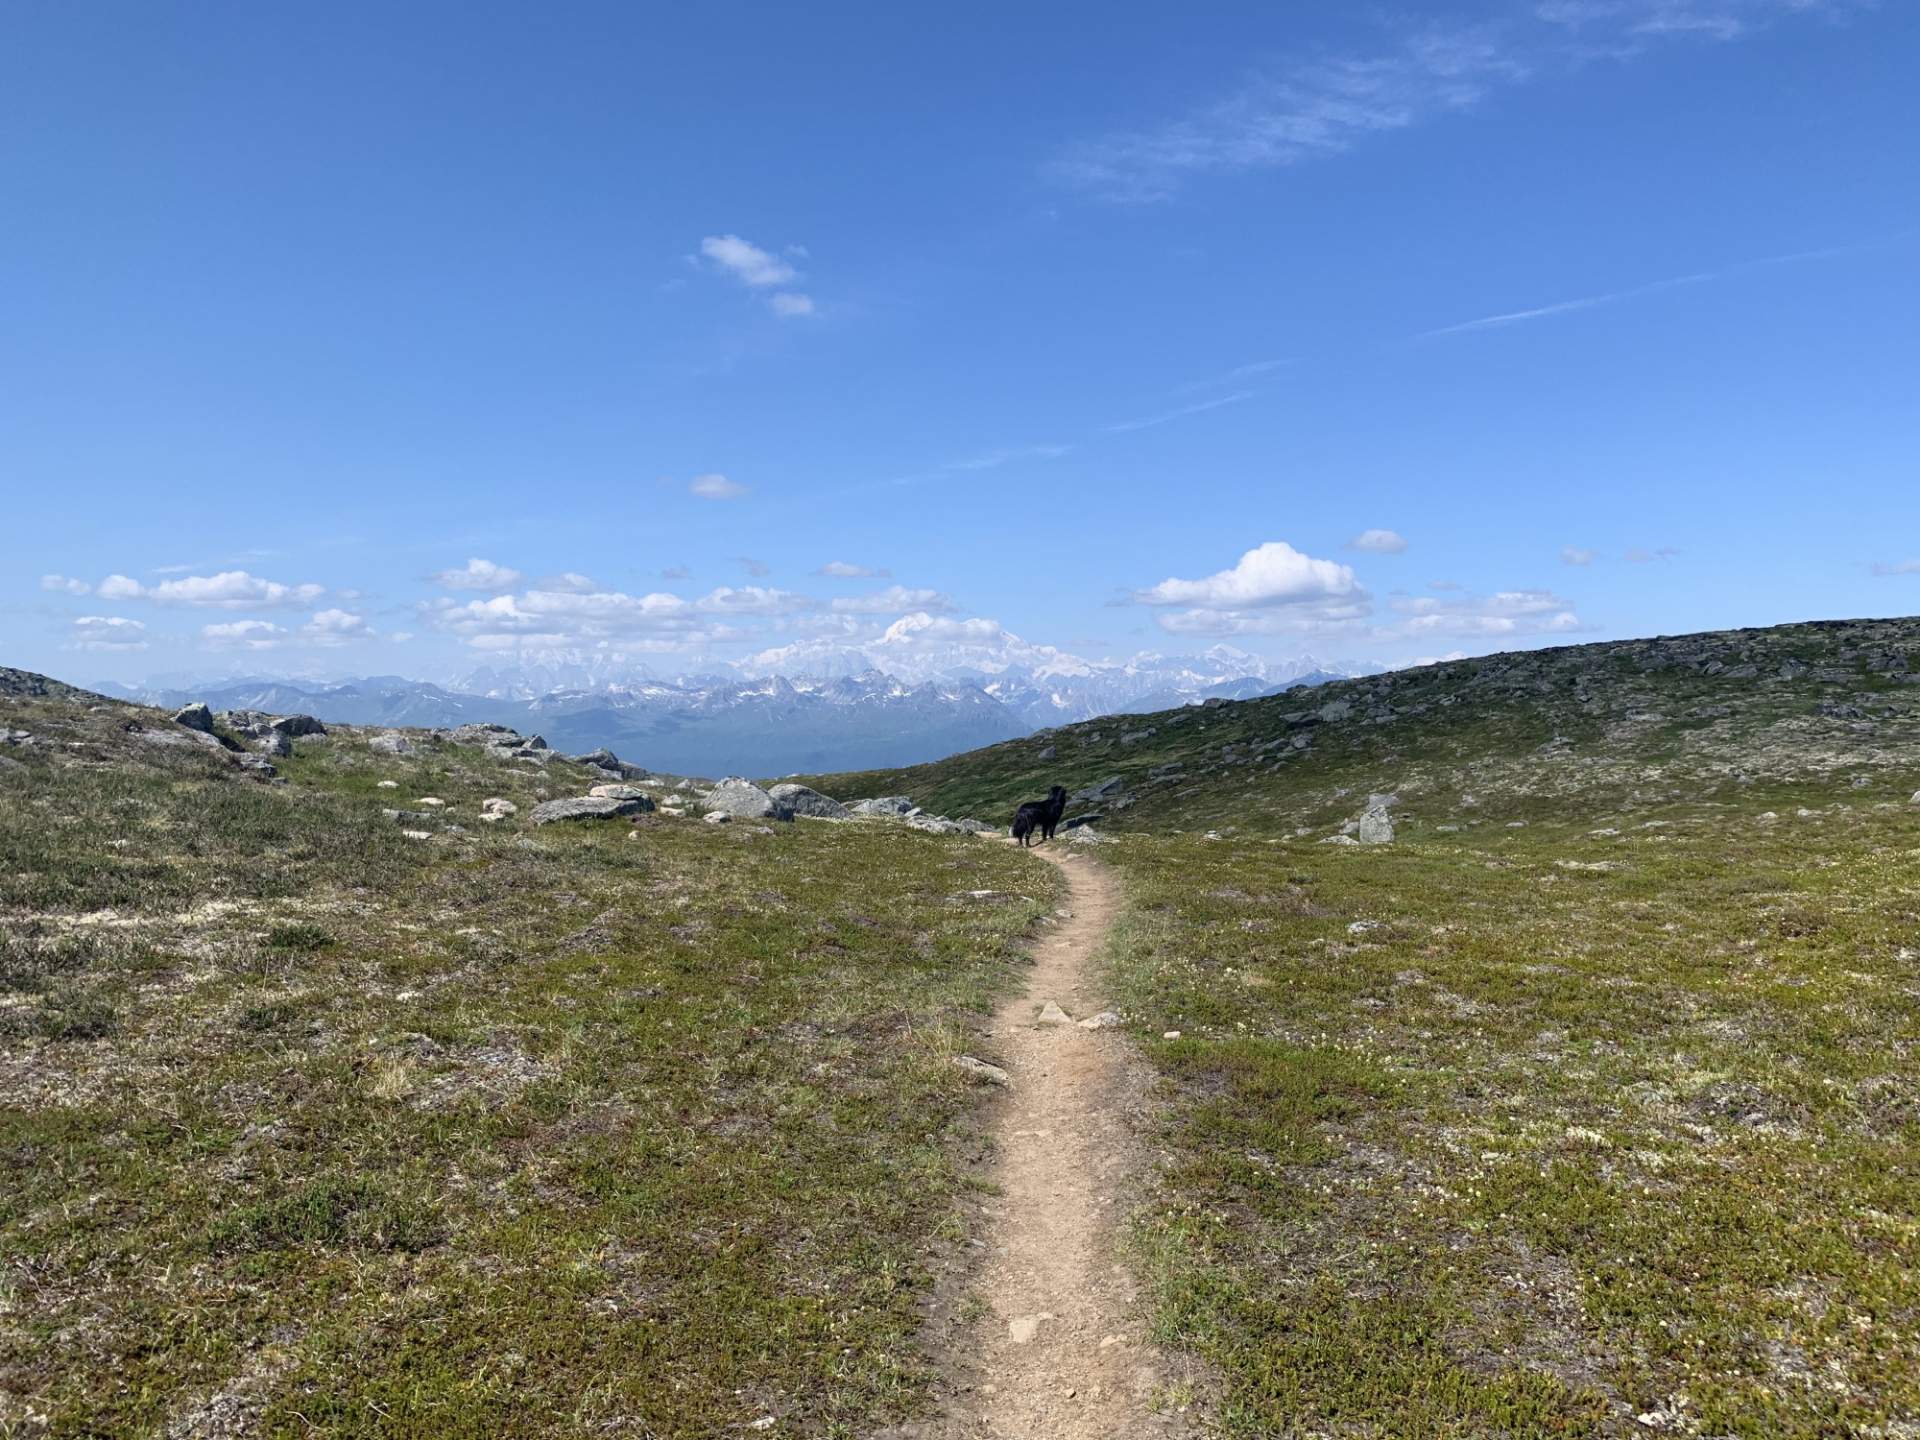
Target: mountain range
919 692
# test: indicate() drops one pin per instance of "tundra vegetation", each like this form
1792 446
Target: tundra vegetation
1587 1105
310 1126
1571 1093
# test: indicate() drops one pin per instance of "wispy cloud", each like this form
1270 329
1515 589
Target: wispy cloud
1379 542
1303 111
1231 377
478 574
1897 567
716 487
1577 555
1300 112
1199 407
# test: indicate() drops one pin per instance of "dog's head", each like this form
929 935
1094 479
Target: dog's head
1058 792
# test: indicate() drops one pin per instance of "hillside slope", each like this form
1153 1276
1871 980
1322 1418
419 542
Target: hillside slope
1691 718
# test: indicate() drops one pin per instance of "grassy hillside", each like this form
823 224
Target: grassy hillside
1588 1105
312 1125
1701 718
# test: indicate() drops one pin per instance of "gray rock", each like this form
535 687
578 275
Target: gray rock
1376 827
935 824
1335 710
486 734
976 827
804 800
1052 1014
587 807
195 717
745 800
272 742
251 723
894 805
718 817
1339 840
391 743
1916 798
1105 1020
993 1074
297 725
605 759
1048 753
620 792
1112 785
1084 835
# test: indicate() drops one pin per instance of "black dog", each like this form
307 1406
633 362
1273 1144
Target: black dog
1040 815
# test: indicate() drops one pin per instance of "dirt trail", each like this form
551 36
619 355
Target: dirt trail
1061 1355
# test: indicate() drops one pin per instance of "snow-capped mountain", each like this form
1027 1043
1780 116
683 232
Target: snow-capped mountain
926 687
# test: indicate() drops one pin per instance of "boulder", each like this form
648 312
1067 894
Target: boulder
620 792
718 817
1376 827
251 723
804 800
1112 785
391 743
299 725
587 807
195 717
605 759
893 805
271 742
486 734
935 824
745 800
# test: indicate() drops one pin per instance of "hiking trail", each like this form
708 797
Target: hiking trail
1061 1355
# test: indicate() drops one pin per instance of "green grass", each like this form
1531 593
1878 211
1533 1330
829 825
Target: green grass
1539 1150
1796 711
508 1132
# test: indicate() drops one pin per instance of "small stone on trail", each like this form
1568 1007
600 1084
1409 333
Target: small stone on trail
1052 1014
1023 1328
992 1073
1105 1020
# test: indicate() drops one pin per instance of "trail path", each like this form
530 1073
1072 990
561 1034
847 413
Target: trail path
1061 1355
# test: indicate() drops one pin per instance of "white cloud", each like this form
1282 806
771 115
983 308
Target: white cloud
242 635
790 304
752 600
107 632
1897 567
843 570
570 580
1574 555
747 262
478 574
1271 574
1509 612
716 487
229 590
335 627
65 585
1378 542
894 600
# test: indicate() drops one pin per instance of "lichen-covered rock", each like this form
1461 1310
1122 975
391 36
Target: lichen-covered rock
195 717
894 805
745 800
297 725
587 807
620 792
804 800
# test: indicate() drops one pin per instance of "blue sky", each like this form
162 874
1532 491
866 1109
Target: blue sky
364 339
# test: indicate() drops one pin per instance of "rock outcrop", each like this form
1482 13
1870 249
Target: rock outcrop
744 800
588 807
804 800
